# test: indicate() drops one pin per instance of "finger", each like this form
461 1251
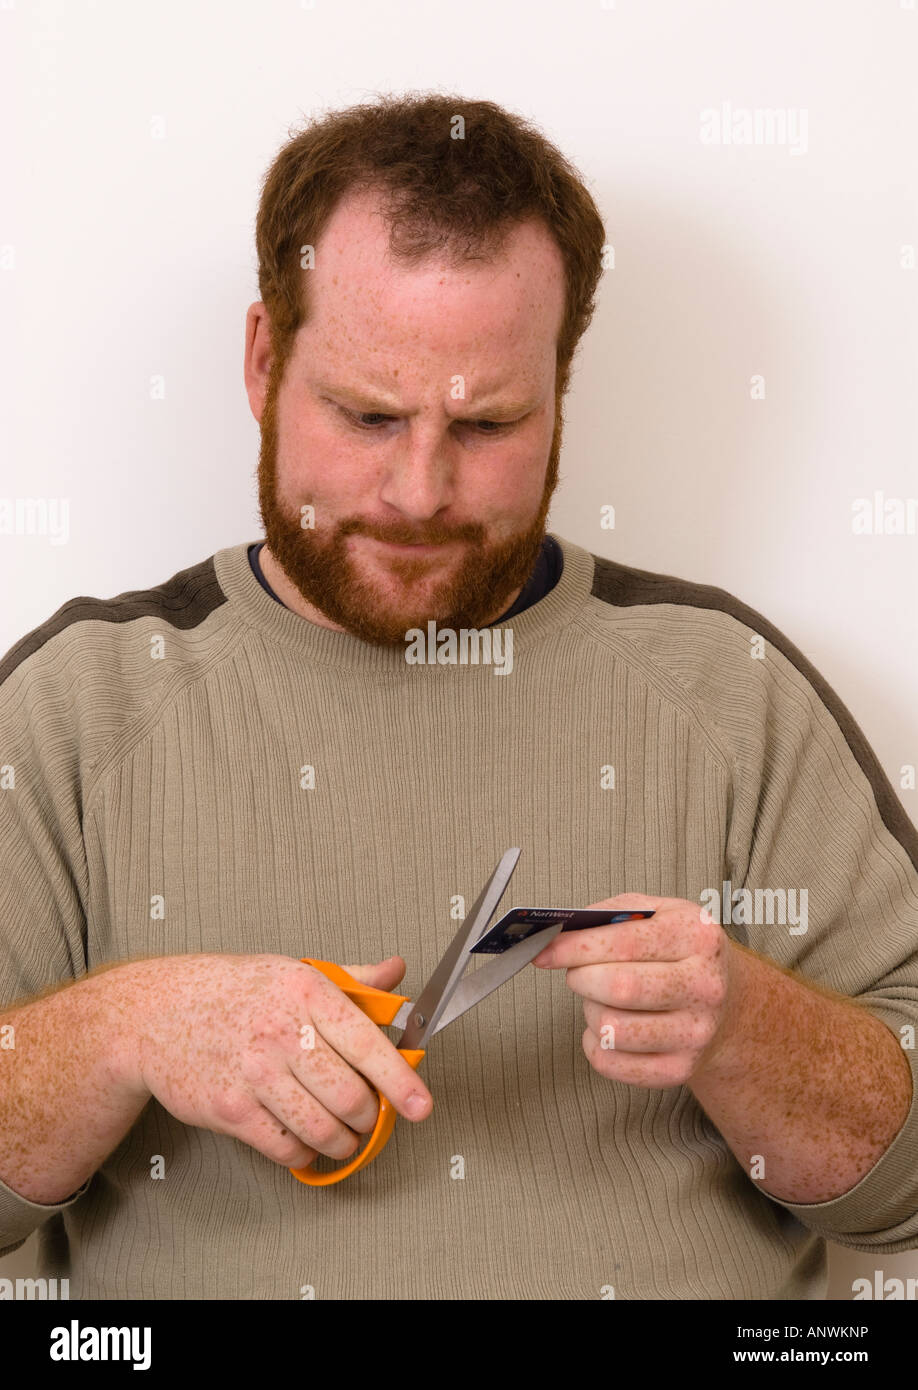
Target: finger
271 1135
655 1069
642 985
638 902
671 935
340 1090
305 1119
352 1035
385 974
684 1030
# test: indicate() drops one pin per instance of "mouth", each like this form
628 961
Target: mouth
413 549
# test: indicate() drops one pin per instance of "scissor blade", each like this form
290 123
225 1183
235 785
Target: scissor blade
430 1004
499 969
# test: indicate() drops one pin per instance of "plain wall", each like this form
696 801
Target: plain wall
126 246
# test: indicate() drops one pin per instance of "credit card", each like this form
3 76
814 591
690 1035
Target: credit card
521 922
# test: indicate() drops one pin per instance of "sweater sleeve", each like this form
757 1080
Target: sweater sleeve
43 885
813 810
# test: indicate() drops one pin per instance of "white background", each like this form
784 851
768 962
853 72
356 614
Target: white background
133 257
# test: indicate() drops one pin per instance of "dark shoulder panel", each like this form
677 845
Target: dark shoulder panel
624 587
184 601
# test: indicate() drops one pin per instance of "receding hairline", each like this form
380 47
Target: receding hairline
414 240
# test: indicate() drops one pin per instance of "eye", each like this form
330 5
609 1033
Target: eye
365 419
370 420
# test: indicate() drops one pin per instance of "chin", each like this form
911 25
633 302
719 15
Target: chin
402 576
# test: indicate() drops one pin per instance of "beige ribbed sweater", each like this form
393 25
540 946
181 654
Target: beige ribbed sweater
181 777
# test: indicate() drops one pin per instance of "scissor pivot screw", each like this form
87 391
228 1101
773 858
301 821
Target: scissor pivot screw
420 1020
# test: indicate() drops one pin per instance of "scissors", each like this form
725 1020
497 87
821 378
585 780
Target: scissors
445 997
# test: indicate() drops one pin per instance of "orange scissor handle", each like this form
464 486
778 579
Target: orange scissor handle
380 1007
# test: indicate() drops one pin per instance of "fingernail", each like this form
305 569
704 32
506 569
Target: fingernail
416 1104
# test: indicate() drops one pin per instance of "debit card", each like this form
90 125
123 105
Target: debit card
521 922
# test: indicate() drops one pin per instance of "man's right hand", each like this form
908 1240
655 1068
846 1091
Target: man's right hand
218 1040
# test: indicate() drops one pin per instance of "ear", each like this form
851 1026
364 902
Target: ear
257 356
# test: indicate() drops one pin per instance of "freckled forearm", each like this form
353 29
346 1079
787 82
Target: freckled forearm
809 1081
67 1092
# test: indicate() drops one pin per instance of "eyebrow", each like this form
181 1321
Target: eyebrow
490 409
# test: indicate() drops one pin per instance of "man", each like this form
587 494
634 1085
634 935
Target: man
240 768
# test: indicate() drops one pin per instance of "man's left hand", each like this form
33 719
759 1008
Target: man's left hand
655 991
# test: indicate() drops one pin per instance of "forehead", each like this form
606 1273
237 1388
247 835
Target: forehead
364 302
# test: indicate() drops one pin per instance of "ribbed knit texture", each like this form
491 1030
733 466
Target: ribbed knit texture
182 777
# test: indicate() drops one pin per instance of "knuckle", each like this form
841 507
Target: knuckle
311 986
232 1107
628 987
271 1028
301 1158
704 1029
636 988
351 1100
255 1069
717 990
289 1150
269 1140
324 1130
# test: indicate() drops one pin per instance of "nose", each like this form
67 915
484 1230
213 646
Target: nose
419 480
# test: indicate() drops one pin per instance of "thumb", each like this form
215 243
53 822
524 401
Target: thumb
383 975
